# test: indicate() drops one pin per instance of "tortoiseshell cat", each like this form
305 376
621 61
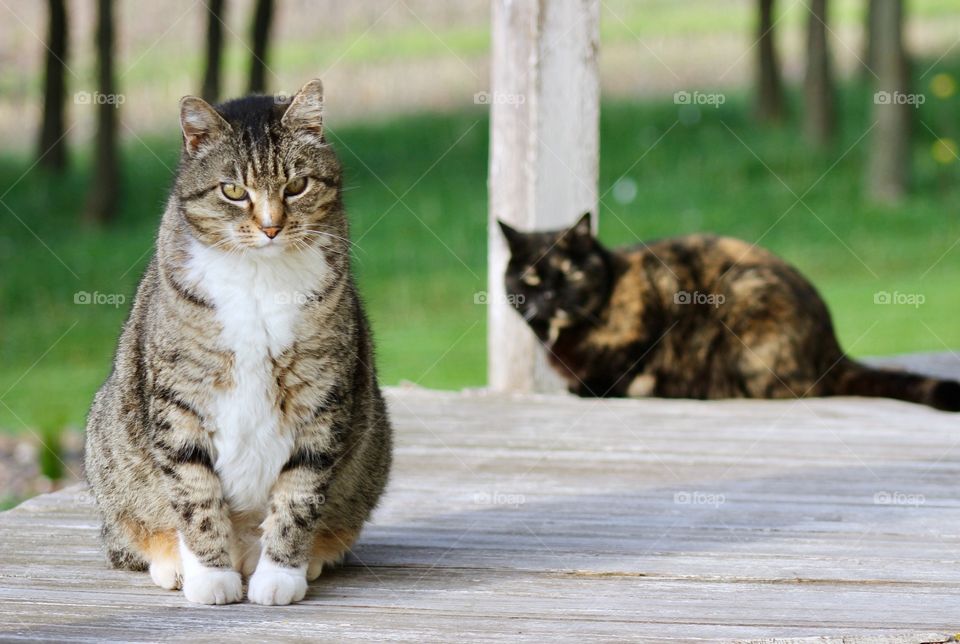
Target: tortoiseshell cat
689 317
242 430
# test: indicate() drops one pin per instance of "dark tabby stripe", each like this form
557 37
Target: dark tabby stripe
184 293
193 454
199 193
169 396
310 459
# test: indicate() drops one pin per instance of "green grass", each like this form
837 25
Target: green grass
420 261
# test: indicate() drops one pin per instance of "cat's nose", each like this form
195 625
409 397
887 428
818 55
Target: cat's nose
271 231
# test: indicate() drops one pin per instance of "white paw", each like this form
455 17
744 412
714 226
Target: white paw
205 585
275 585
164 573
213 586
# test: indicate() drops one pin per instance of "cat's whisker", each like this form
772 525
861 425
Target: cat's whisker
330 235
326 233
330 249
302 245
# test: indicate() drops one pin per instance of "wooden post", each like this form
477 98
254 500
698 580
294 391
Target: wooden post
544 149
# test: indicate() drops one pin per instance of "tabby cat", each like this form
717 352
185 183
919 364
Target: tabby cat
242 432
689 317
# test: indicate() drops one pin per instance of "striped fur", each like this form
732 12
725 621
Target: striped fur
242 423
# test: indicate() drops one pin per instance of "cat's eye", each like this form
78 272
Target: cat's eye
233 192
295 186
531 279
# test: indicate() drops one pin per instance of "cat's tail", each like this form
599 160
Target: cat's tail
855 379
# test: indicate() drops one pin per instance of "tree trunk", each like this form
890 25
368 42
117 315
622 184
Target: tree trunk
818 90
260 35
102 199
211 75
53 148
869 40
769 86
889 166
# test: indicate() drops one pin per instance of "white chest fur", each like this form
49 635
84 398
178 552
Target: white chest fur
257 300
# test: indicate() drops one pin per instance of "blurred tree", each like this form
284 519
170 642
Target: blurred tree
770 103
818 91
53 146
869 46
102 198
211 74
889 166
260 35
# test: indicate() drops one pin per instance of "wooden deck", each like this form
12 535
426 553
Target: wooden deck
553 518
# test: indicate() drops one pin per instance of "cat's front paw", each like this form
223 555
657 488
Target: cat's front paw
275 585
213 586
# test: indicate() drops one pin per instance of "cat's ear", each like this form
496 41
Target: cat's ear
305 113
582 227
513 236
201 124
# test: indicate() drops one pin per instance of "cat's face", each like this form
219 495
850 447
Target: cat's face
556 279
257 175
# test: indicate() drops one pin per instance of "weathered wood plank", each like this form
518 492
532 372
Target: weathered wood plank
544 154
553 518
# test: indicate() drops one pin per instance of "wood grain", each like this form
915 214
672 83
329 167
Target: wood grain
542 518
544 155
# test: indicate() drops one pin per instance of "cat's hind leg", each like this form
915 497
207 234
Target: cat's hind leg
771 367
132 546
160 549
166 568
120 550
329 549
